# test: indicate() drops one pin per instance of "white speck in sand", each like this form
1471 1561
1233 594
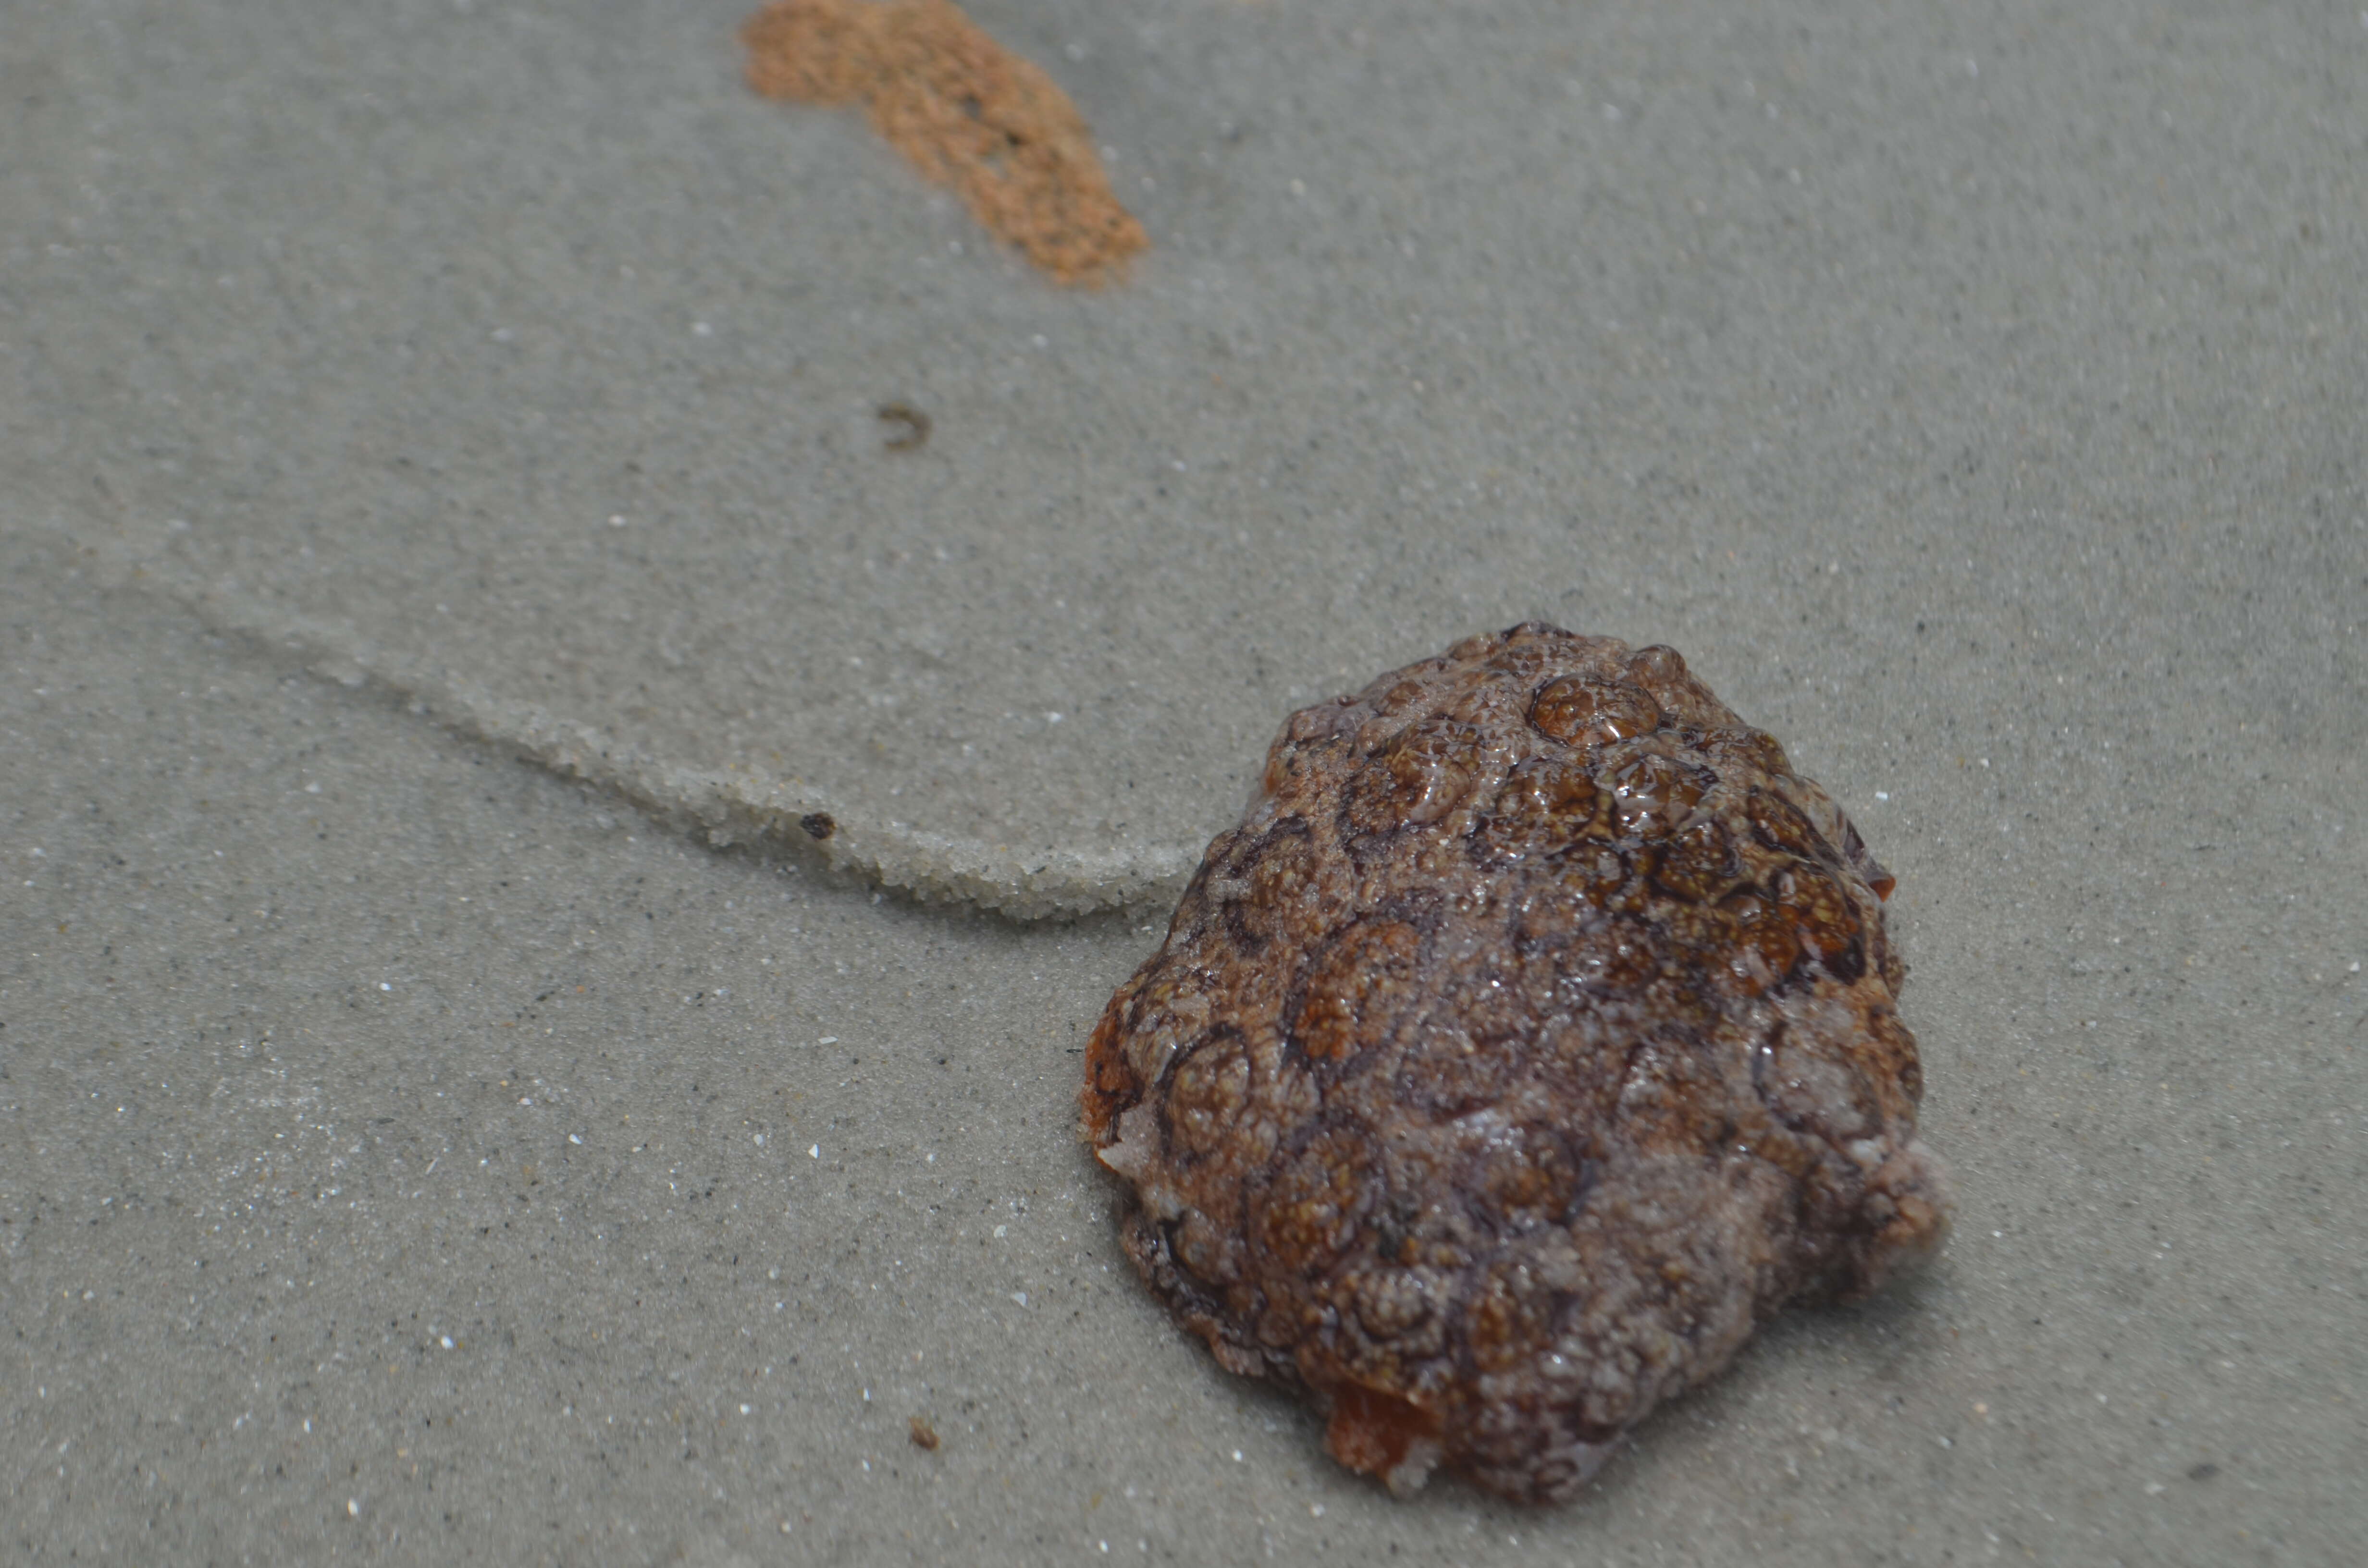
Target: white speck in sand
827 1039
445 1340
354 1507
382 985
1882 795
814 1152
571 1138
1020 1297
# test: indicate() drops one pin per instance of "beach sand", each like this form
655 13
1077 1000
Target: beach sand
453 1112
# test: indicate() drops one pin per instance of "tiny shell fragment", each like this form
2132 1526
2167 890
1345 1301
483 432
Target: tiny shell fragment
1532 1039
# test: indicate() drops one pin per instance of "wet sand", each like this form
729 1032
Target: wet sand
453 1111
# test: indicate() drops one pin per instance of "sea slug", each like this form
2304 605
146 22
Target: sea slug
1532 1039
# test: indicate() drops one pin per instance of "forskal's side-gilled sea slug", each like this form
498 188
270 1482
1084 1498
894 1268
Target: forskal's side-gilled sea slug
1532 1039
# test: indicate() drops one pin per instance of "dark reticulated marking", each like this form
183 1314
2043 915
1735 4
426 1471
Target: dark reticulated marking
1531 1040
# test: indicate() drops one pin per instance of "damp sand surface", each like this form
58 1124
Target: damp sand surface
451 549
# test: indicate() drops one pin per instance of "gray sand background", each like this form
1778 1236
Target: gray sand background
449 1112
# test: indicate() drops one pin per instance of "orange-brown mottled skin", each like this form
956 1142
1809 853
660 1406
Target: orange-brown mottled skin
1530 1038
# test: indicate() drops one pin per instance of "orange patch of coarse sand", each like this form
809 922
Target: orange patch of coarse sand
968 112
